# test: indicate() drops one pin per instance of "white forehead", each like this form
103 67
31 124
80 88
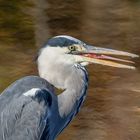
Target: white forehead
68 37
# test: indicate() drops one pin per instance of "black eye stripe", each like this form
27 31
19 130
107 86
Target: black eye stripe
61 42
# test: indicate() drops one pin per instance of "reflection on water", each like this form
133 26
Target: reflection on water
16 40
66 17
112 108
15 24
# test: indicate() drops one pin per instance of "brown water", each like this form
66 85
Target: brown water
112 108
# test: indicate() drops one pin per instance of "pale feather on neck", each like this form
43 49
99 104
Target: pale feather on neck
75 85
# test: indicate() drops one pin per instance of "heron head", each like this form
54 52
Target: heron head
60 53
70 50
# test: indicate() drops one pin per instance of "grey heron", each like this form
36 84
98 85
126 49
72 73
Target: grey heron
29 108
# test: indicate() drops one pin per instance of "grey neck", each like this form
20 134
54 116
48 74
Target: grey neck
71 99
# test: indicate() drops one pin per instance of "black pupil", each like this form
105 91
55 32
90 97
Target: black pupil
72 48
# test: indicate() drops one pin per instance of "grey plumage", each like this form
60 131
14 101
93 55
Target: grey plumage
61 41
34 117
30 109
25 117
23 85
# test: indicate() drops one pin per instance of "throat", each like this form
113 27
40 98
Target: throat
72 98
72 78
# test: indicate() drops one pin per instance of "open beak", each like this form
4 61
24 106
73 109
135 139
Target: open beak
104 56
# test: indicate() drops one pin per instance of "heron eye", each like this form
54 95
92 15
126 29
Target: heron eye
72 48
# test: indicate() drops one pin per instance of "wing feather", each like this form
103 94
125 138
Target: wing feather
25 117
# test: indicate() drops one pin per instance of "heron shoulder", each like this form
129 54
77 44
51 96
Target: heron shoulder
26 83
21 86
30 112
40 95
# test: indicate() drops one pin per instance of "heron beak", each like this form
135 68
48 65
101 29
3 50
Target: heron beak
104 56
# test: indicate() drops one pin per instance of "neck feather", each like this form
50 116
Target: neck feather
71 99
68 76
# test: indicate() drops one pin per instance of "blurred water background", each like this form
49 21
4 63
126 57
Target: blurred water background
112 108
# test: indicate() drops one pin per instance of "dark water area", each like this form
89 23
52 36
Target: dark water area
112 108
